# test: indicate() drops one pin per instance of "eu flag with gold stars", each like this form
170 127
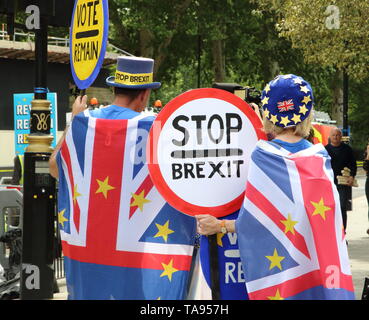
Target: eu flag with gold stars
120 239
290 233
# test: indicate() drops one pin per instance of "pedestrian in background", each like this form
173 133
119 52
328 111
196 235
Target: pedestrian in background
18 171
366 169
342 157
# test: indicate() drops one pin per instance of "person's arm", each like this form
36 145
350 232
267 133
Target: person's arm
366 160
208 225
53 165
366 165
352 166
78 106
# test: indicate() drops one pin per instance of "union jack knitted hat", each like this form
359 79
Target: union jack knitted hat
287 100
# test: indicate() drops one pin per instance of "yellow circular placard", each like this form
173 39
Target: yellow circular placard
88 38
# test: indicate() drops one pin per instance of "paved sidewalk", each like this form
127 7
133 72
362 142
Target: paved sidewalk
63 294
358 239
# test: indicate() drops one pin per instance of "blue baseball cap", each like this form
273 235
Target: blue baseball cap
133 73
287 100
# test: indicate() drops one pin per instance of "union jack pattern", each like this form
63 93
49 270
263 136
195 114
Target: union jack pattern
121 240
285 105
290 229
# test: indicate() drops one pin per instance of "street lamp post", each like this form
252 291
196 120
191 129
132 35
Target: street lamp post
37 276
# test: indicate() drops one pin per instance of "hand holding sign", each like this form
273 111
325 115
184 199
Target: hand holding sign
199 151
79 105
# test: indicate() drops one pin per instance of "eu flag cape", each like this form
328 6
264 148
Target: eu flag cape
290 231
120 239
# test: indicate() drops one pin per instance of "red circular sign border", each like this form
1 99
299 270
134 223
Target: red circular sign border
154 169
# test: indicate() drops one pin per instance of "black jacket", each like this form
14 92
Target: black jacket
366 165
342 156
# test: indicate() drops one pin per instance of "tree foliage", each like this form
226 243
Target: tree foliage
146 28
329 32
198 42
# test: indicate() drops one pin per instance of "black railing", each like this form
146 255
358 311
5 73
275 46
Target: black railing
59 268
58 253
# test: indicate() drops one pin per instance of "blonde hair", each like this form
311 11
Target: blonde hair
302 129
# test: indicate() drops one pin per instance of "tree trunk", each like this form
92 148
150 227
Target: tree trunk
146 43
116 20
218 60
161 51
270 70
337 92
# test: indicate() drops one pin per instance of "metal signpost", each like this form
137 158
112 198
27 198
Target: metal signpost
37 276
39 187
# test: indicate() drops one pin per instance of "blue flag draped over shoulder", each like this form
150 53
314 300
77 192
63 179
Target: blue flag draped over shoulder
120 239
290 230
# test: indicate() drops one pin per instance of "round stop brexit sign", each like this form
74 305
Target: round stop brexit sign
88 38
199 150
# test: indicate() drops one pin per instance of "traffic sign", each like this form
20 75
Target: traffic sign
199 150
88 39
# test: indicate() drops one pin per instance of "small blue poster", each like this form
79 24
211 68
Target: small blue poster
22 119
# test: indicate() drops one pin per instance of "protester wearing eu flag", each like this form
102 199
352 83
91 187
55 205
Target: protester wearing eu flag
121 240
130 98
289 229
